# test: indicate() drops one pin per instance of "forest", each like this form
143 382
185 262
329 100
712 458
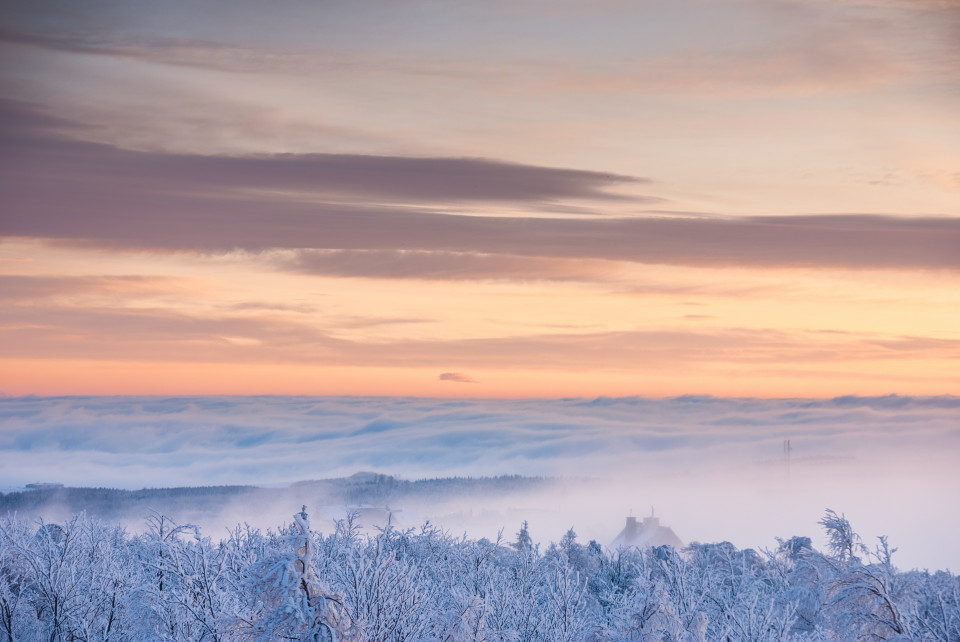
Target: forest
114 504
86 580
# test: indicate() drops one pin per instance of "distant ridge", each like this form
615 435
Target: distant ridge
358 489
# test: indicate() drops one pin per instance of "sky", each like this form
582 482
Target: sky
486 199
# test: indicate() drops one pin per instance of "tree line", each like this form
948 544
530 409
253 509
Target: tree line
85 580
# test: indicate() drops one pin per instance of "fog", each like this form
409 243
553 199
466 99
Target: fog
713 469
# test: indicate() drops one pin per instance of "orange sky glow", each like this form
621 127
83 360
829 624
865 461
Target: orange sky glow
653 198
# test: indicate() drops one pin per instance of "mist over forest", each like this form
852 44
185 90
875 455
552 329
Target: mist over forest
713 469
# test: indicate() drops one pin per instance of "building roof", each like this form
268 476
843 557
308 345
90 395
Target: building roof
645 534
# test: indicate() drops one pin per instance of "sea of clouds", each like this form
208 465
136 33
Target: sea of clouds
713 468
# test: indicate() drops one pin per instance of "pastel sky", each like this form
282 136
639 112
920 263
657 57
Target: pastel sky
480 199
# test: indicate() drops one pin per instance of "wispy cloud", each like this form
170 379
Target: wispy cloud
45 330
758 71
22 289
802 52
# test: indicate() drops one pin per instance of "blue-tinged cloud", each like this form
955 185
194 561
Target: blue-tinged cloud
134 441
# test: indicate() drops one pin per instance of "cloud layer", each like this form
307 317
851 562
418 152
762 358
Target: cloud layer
697 458
133 441
76 192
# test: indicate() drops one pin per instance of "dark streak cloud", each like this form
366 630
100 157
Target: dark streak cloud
370 178
73 192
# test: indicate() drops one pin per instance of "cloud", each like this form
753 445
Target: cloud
442 265
355 177
85 193
90 332
102 196
810 46
22 289
884 460
45 329
457 377
189 52
215 439
805 68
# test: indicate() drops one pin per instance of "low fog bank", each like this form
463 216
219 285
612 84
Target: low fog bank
713 469
372 500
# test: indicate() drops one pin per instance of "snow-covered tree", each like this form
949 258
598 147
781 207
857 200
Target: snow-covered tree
86 581
298 606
